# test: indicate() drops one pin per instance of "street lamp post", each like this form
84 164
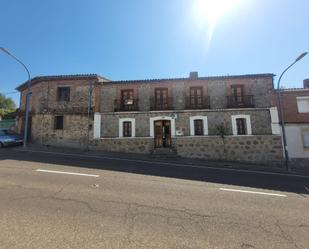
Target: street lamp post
27 96
286 153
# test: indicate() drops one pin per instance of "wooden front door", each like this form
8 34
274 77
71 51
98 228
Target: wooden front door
162 133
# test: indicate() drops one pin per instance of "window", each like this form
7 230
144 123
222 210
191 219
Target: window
127 129
161 98
127 97
241 126
237 93
58 123
196 96
306 139
303 104
63 94
198 127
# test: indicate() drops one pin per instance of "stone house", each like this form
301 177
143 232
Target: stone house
59 109
216 118
295 104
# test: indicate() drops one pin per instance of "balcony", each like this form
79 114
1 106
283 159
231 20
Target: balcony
245 101
165 104
197 103
126 105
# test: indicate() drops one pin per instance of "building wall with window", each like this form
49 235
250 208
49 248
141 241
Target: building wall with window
59 98
215 118
295 104
216 91
194 109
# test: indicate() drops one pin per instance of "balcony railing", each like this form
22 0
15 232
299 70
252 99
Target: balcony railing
197 103
165 104
126 105
245 101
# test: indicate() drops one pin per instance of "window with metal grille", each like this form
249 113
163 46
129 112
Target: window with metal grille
198 127
58 123
196 96
127 97
241 126
127 129
161 96
63 94
237 93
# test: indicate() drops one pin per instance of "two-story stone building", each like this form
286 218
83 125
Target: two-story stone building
59 108
216 118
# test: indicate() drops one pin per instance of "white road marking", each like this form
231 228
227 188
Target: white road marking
65 173
163 163
306 188
252 192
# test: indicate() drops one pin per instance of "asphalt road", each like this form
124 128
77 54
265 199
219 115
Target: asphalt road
64 201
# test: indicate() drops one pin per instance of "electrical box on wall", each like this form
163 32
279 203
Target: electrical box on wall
174 116
179 133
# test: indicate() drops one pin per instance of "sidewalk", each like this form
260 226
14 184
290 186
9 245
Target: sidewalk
178 160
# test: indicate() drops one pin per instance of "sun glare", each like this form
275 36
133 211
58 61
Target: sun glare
208 12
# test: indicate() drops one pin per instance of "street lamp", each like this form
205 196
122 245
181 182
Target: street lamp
286 153
27 96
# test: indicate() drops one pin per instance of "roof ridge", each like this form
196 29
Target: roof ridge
199 78
60 76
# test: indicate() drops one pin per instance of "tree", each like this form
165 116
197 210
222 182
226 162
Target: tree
222 131
7 105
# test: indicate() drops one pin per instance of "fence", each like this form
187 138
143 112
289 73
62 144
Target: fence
7 123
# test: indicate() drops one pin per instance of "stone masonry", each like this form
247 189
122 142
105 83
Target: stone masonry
262 146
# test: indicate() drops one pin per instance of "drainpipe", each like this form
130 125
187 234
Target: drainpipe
90 89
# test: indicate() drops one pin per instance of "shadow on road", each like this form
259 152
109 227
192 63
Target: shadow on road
220 176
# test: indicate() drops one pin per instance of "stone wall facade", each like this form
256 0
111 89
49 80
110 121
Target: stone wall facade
216 88
128 145
259 149
261 145
260 121
73 134
44 93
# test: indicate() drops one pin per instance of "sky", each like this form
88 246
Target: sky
138 39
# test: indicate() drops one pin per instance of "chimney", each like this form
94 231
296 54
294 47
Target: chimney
306 83
193 75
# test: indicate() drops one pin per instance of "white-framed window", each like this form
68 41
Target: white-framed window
241 125
198 126
303 104
127 127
